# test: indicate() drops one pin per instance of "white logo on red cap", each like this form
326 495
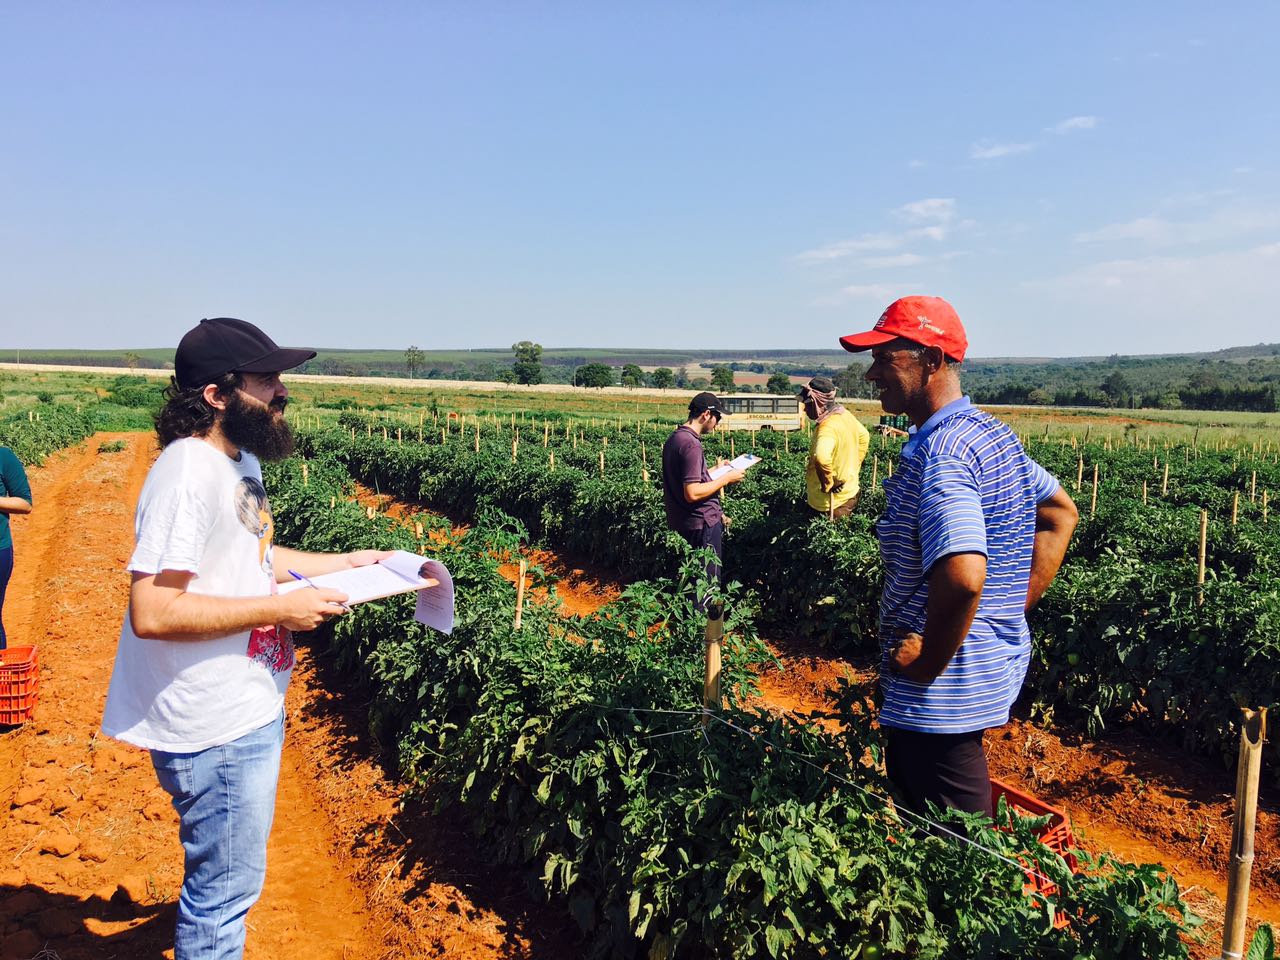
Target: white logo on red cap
926 325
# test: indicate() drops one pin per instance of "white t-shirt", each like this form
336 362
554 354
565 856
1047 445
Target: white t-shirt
203 513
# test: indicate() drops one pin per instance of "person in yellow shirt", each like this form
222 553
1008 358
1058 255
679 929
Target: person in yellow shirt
838 446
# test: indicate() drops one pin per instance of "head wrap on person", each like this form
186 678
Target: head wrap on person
821 392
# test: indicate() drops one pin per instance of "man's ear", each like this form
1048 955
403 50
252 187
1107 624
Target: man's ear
934 359
214 397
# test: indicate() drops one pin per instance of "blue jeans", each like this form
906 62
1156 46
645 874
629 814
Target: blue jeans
225 797
6 570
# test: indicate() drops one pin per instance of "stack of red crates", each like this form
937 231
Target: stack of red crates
1056 834
19 684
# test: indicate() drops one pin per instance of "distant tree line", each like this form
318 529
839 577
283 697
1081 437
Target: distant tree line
1245 379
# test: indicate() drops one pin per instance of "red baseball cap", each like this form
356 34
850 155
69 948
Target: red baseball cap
929 321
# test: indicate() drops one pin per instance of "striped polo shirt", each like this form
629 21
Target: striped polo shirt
965 485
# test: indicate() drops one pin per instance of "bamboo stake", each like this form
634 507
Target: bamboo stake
1093 503
399 439
546 434
1235 507
711 679
1253 487
1164 484
1264 506
304 473
602 462
888 470
1204 533
551 461
1079 473
1144 493
1252 733
520 593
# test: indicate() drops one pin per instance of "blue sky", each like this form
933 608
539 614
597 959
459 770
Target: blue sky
1075 178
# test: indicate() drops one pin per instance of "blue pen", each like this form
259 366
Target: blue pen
297 576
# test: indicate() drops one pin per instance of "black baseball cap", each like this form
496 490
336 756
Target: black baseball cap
225 345
703 402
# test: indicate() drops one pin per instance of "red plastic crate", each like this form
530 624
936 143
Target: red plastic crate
1056 834
19 684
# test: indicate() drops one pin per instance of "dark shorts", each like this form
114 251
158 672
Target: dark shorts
949 769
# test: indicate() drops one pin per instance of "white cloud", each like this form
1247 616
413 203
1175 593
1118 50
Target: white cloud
849 248
1161 304
880 292
941 209
1234 223
893 260
1072 123
986 150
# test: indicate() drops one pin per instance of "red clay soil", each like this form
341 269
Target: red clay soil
1140 799
89 857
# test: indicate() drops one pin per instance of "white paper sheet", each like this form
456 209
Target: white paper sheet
398 573
743 462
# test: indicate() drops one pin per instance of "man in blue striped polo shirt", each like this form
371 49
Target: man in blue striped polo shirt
972 534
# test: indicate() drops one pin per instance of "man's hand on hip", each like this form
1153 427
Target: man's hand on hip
906 654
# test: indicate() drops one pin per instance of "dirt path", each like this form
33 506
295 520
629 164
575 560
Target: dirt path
89 857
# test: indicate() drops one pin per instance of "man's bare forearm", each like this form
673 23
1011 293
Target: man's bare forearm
14 505
284 559
157 613
955 590
1056 520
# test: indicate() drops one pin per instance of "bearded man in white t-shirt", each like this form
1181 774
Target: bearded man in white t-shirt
206 650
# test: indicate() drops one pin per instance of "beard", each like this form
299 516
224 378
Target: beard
258 428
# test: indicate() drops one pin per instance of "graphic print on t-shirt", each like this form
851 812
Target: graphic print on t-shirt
270 646
255 514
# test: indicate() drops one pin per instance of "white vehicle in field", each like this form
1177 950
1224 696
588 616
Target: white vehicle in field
761 411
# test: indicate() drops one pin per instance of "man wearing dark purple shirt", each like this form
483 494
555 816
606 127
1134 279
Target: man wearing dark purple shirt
691 497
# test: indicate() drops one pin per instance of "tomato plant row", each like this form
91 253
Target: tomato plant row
1125 635
33 439
573 748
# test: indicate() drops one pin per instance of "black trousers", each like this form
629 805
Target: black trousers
712 536
949 769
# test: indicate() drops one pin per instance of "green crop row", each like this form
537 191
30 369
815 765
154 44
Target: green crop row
1124 635
573 747
34 438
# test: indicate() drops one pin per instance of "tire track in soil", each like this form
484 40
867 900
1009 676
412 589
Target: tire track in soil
1132 796
90 862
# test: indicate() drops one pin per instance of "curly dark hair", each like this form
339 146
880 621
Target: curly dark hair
185 413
